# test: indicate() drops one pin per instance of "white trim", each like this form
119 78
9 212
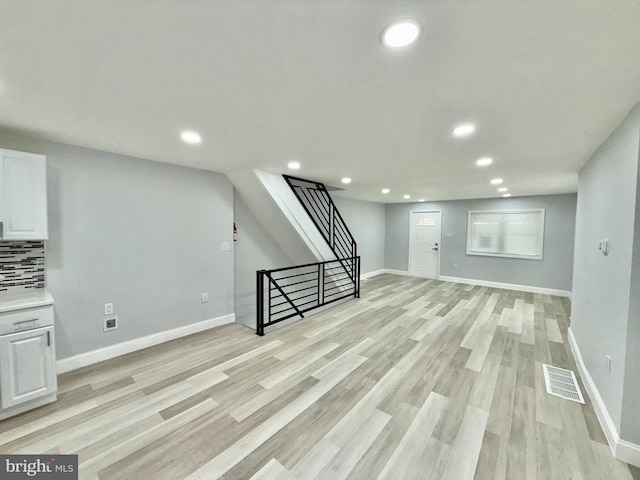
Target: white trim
628 452
375 273
481 283
507 286
112 351
606 422
621 449
398 272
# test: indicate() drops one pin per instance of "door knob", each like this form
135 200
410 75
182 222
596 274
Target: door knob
435 248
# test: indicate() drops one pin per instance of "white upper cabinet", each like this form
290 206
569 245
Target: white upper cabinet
23 196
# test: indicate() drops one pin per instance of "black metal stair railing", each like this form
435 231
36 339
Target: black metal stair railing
288 292
317 202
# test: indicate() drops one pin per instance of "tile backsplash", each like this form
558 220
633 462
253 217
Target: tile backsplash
21 265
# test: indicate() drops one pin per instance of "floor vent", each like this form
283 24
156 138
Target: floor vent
562 383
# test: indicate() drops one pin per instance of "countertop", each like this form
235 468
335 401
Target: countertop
29 298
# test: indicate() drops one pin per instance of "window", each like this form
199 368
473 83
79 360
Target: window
506 233
426 222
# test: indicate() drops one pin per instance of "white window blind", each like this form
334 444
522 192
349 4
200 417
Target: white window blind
506 233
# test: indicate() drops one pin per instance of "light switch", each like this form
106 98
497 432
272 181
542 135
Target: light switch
224 246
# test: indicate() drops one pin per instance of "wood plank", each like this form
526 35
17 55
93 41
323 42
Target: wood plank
234 454
354 447
412 445
466 449
272 470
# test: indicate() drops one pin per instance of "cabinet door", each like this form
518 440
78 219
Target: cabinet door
27 366
23 196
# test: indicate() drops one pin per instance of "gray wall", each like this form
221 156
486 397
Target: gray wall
254 250
630 422
143 235
630 428
607 205
553 271
366 221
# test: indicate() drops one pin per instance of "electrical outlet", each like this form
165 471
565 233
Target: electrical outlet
205 297
455 265
224 246
108 308
608 363
110 323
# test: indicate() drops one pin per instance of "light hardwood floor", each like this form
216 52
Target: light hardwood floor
418 379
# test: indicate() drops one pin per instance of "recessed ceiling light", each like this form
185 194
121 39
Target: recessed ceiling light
496 181
401 33
294 165
346 180
191 137
506 195
464 130
484 162
406 197
421 200
503 189
385 190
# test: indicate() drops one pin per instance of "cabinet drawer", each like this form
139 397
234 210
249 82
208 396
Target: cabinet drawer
27 319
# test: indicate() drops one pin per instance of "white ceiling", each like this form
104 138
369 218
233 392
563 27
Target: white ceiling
268 81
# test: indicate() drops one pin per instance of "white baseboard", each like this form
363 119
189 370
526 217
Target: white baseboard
112 351
606 422
375 273
487 283
397 272
481 283
628 452
623 450
507 286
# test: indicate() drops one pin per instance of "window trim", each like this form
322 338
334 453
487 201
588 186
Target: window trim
541 231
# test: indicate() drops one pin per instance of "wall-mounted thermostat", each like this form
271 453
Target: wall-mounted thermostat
603 246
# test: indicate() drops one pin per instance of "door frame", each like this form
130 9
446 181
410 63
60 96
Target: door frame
411 226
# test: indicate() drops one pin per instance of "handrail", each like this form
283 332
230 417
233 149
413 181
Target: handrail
275 289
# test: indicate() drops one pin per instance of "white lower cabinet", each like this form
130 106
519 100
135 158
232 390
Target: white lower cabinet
27 366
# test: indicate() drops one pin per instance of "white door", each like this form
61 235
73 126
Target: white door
27 366
424 244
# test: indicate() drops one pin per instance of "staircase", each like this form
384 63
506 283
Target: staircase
319 205
290 292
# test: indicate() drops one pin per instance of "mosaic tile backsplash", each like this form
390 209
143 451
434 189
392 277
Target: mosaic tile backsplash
21 265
